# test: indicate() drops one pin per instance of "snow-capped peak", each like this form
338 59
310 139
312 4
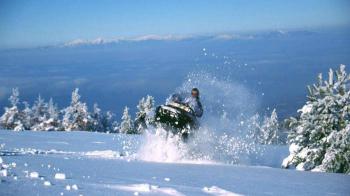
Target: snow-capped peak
78 42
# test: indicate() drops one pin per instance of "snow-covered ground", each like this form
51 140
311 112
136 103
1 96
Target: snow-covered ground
82 163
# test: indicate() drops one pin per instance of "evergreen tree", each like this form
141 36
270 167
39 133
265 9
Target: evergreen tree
39 111
126 126
76 116
270 133
140 120
52 110
149 107
52 121
254 129
26 116
143 118
267 131
319 138
108 123
14 98
11 119
97 119
103 122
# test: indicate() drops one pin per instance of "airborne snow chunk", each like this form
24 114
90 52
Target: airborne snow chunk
34 175
75 187
60 176
47 183
3 172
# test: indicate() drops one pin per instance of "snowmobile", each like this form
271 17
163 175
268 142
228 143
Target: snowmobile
177 118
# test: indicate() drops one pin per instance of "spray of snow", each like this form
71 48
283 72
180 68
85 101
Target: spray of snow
159 147
223 136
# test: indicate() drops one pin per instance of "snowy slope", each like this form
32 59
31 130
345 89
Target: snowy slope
110 164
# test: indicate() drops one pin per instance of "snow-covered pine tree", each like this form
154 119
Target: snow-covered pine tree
270 133
103 122
126 126
96 119
52 121
26 116
320 137
39 111
337 157
76 116
11 119
149 107
52 110
108 123
266 131
143 118
140 120
114 125
254 128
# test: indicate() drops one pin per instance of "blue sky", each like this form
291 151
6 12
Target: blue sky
29 23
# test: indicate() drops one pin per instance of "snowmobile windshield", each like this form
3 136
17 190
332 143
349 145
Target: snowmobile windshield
177 98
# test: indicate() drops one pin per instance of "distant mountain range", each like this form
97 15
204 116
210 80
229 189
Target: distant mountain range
144 38
226 37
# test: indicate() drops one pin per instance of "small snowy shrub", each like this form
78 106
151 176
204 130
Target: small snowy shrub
319 138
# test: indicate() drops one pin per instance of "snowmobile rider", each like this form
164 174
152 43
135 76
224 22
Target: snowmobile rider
194 102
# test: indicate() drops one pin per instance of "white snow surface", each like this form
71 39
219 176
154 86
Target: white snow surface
217 191
118 164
